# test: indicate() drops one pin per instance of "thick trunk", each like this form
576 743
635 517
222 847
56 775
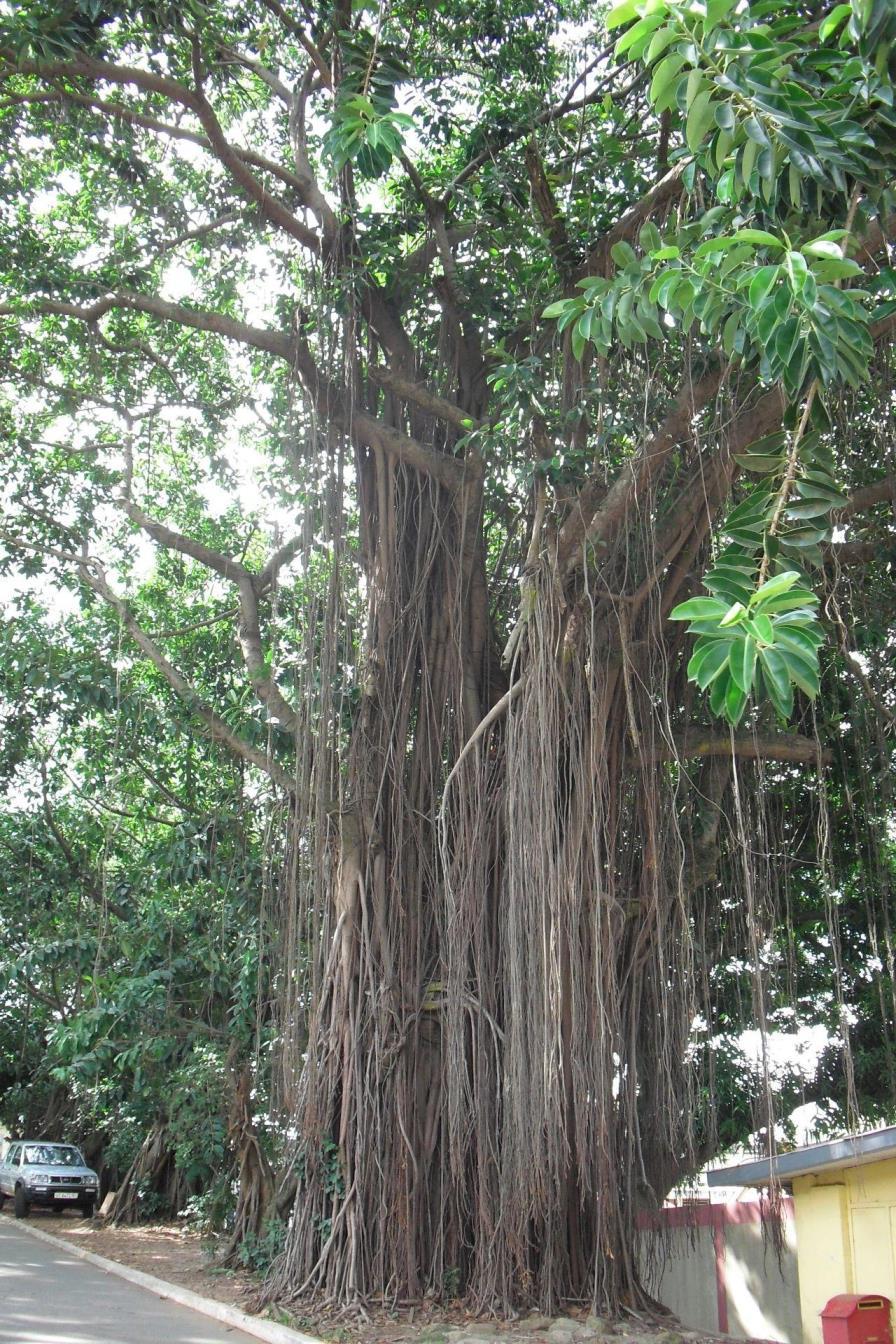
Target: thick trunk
503 964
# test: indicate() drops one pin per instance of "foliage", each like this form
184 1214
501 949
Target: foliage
258 1252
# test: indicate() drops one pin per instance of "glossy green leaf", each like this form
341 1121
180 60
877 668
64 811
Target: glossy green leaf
697 608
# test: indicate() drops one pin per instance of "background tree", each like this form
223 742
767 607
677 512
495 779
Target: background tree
528 337
138 913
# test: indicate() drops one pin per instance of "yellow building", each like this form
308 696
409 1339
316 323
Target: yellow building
844 1195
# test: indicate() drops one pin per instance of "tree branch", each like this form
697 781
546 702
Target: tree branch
259 338
260 674
176 541
599 261
788 748
93 575
86 67
281 557
249 587
421 396
123 113
867 496
332 405
598 527
552 222
270 207
367 432
216 728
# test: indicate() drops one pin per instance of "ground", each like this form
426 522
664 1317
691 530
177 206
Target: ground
174 1253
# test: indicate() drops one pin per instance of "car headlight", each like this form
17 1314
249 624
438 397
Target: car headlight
38 1179
90 1180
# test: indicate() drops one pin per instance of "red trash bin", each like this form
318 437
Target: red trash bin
857 1318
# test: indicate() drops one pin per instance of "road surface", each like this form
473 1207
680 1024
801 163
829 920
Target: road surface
50 1297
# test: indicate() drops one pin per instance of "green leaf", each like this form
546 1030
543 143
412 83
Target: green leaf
796 599
642 29
735 703
724 115
742 661
773 587
662 38
730 333
837 17
811 508
732 615
822 247
802 670
757 463
756 132
762 284
761 628
697 608
622 13
623 254
718 693
708 660
798 639
777 680
664 78
700 117
649 239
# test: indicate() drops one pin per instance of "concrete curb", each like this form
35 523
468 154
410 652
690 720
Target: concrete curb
219 1311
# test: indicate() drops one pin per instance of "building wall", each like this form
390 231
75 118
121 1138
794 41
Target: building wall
846 1229
681 1274
714 1266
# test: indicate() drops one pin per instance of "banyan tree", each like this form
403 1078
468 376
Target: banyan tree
555 345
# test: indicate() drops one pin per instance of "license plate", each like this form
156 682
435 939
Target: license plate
65 1194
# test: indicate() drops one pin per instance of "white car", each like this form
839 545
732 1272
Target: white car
52 1175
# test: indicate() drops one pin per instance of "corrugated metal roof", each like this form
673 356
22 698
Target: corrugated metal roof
851 1152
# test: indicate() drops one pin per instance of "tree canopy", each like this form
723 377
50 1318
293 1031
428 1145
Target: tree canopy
448 528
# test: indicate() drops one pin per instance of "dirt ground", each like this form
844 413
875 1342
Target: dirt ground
172 1252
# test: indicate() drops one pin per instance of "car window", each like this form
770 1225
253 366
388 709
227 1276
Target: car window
52 1155
12 1157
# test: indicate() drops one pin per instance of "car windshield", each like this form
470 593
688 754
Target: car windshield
51 1155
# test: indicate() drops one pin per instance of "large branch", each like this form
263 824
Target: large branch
368 432
789 748
194 101
331 403
868 495
176 541
121 112
626 229
216 728
598 524
421 396
260 674
92 574
199 319
273 210
249 587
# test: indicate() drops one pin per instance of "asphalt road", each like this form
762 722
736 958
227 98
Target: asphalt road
50 1297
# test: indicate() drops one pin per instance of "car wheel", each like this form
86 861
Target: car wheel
87 1209
21 1203
2 1199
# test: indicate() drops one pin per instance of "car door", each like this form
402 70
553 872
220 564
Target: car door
7 1173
